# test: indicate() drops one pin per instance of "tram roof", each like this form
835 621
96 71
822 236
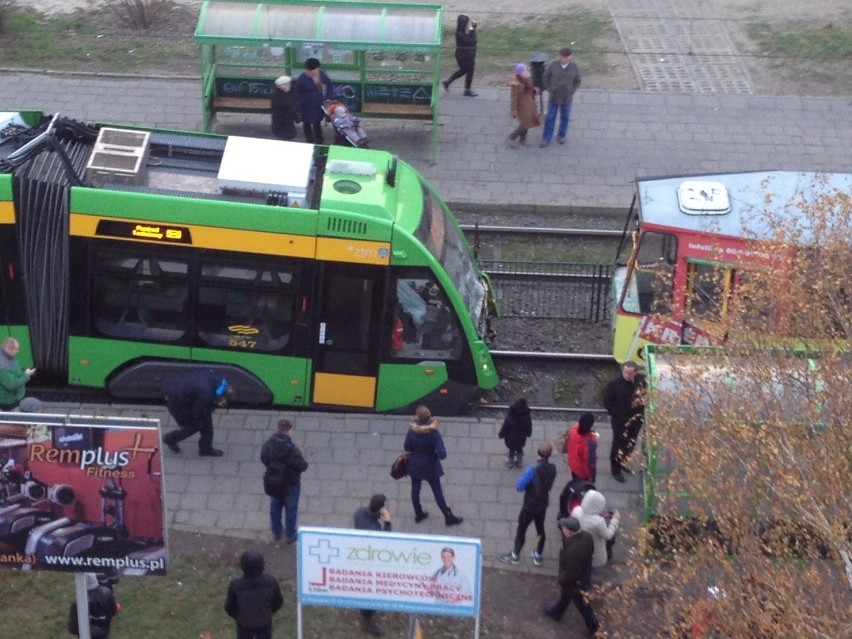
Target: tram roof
750 197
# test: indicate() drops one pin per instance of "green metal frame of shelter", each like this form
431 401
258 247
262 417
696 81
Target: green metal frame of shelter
384 59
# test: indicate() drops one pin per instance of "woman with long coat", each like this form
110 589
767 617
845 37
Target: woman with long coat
312 88
425 447
523 105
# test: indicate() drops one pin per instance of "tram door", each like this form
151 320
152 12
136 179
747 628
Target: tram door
346 338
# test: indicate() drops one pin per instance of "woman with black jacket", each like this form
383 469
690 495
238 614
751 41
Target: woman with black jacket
465 54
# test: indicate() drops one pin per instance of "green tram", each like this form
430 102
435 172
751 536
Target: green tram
315 276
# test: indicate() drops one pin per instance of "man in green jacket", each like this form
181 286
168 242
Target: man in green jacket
13 377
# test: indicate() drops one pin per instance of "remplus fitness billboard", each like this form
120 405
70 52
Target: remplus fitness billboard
81 494
389 571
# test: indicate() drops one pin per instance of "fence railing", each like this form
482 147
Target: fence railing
550 290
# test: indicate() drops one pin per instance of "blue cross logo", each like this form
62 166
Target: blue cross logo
324 551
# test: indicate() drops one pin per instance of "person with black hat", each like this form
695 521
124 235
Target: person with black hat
253 598
191 398
426 446
376 516
561 80
102 608
575 559
312 88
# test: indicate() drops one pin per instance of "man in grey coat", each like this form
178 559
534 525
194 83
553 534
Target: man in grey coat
561 79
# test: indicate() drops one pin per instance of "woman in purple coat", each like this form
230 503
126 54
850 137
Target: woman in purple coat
426 449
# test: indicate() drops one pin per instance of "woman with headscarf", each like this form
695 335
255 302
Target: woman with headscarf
426 448
522 105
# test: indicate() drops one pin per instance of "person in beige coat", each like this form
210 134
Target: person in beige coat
523 105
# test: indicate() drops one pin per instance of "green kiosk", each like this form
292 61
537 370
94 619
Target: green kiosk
383 58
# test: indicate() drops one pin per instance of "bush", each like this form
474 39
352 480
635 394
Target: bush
138 14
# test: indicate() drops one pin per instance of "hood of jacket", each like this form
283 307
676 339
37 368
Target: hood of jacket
252 563
593 503
424 427
461 22
520 407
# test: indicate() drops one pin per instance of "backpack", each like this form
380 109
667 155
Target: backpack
277 479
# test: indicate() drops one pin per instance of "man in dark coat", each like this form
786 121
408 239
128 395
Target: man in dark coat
285 111
575 560
191 398
253 598
102 609
517 427
624 400
373 517
535 482
465 54
279 450
312 88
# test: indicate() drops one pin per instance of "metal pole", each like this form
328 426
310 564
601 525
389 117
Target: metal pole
476 628
299 620
85 631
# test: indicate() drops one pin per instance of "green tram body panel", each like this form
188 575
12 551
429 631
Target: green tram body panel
315 276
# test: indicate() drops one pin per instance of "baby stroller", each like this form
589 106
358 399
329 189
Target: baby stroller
572 495
347 127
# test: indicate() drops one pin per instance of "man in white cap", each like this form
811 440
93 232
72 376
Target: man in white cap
285 111
102 609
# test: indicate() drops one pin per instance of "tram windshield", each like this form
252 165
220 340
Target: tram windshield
649 289
441 236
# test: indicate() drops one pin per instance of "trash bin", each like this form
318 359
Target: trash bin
537 62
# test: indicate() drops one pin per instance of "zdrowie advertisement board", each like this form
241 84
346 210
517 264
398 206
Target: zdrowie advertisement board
81 494
416 574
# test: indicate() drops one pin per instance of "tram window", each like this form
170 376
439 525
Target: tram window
422 322
708 291
650 287
141 298
448 246
245 308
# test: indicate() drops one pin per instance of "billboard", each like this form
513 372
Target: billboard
389 571
81 494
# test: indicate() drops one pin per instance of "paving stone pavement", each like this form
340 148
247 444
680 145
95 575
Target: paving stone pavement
613 138
349 457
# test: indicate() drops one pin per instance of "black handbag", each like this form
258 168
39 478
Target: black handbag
399 468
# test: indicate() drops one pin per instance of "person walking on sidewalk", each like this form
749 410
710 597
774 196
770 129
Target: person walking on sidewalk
600 524
191 398
253 598
517 427
465 54
561 80
373 517
282 480
575 558
426 447
535 482
624 400
522 105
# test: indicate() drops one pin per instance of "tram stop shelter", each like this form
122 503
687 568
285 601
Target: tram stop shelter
383 59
